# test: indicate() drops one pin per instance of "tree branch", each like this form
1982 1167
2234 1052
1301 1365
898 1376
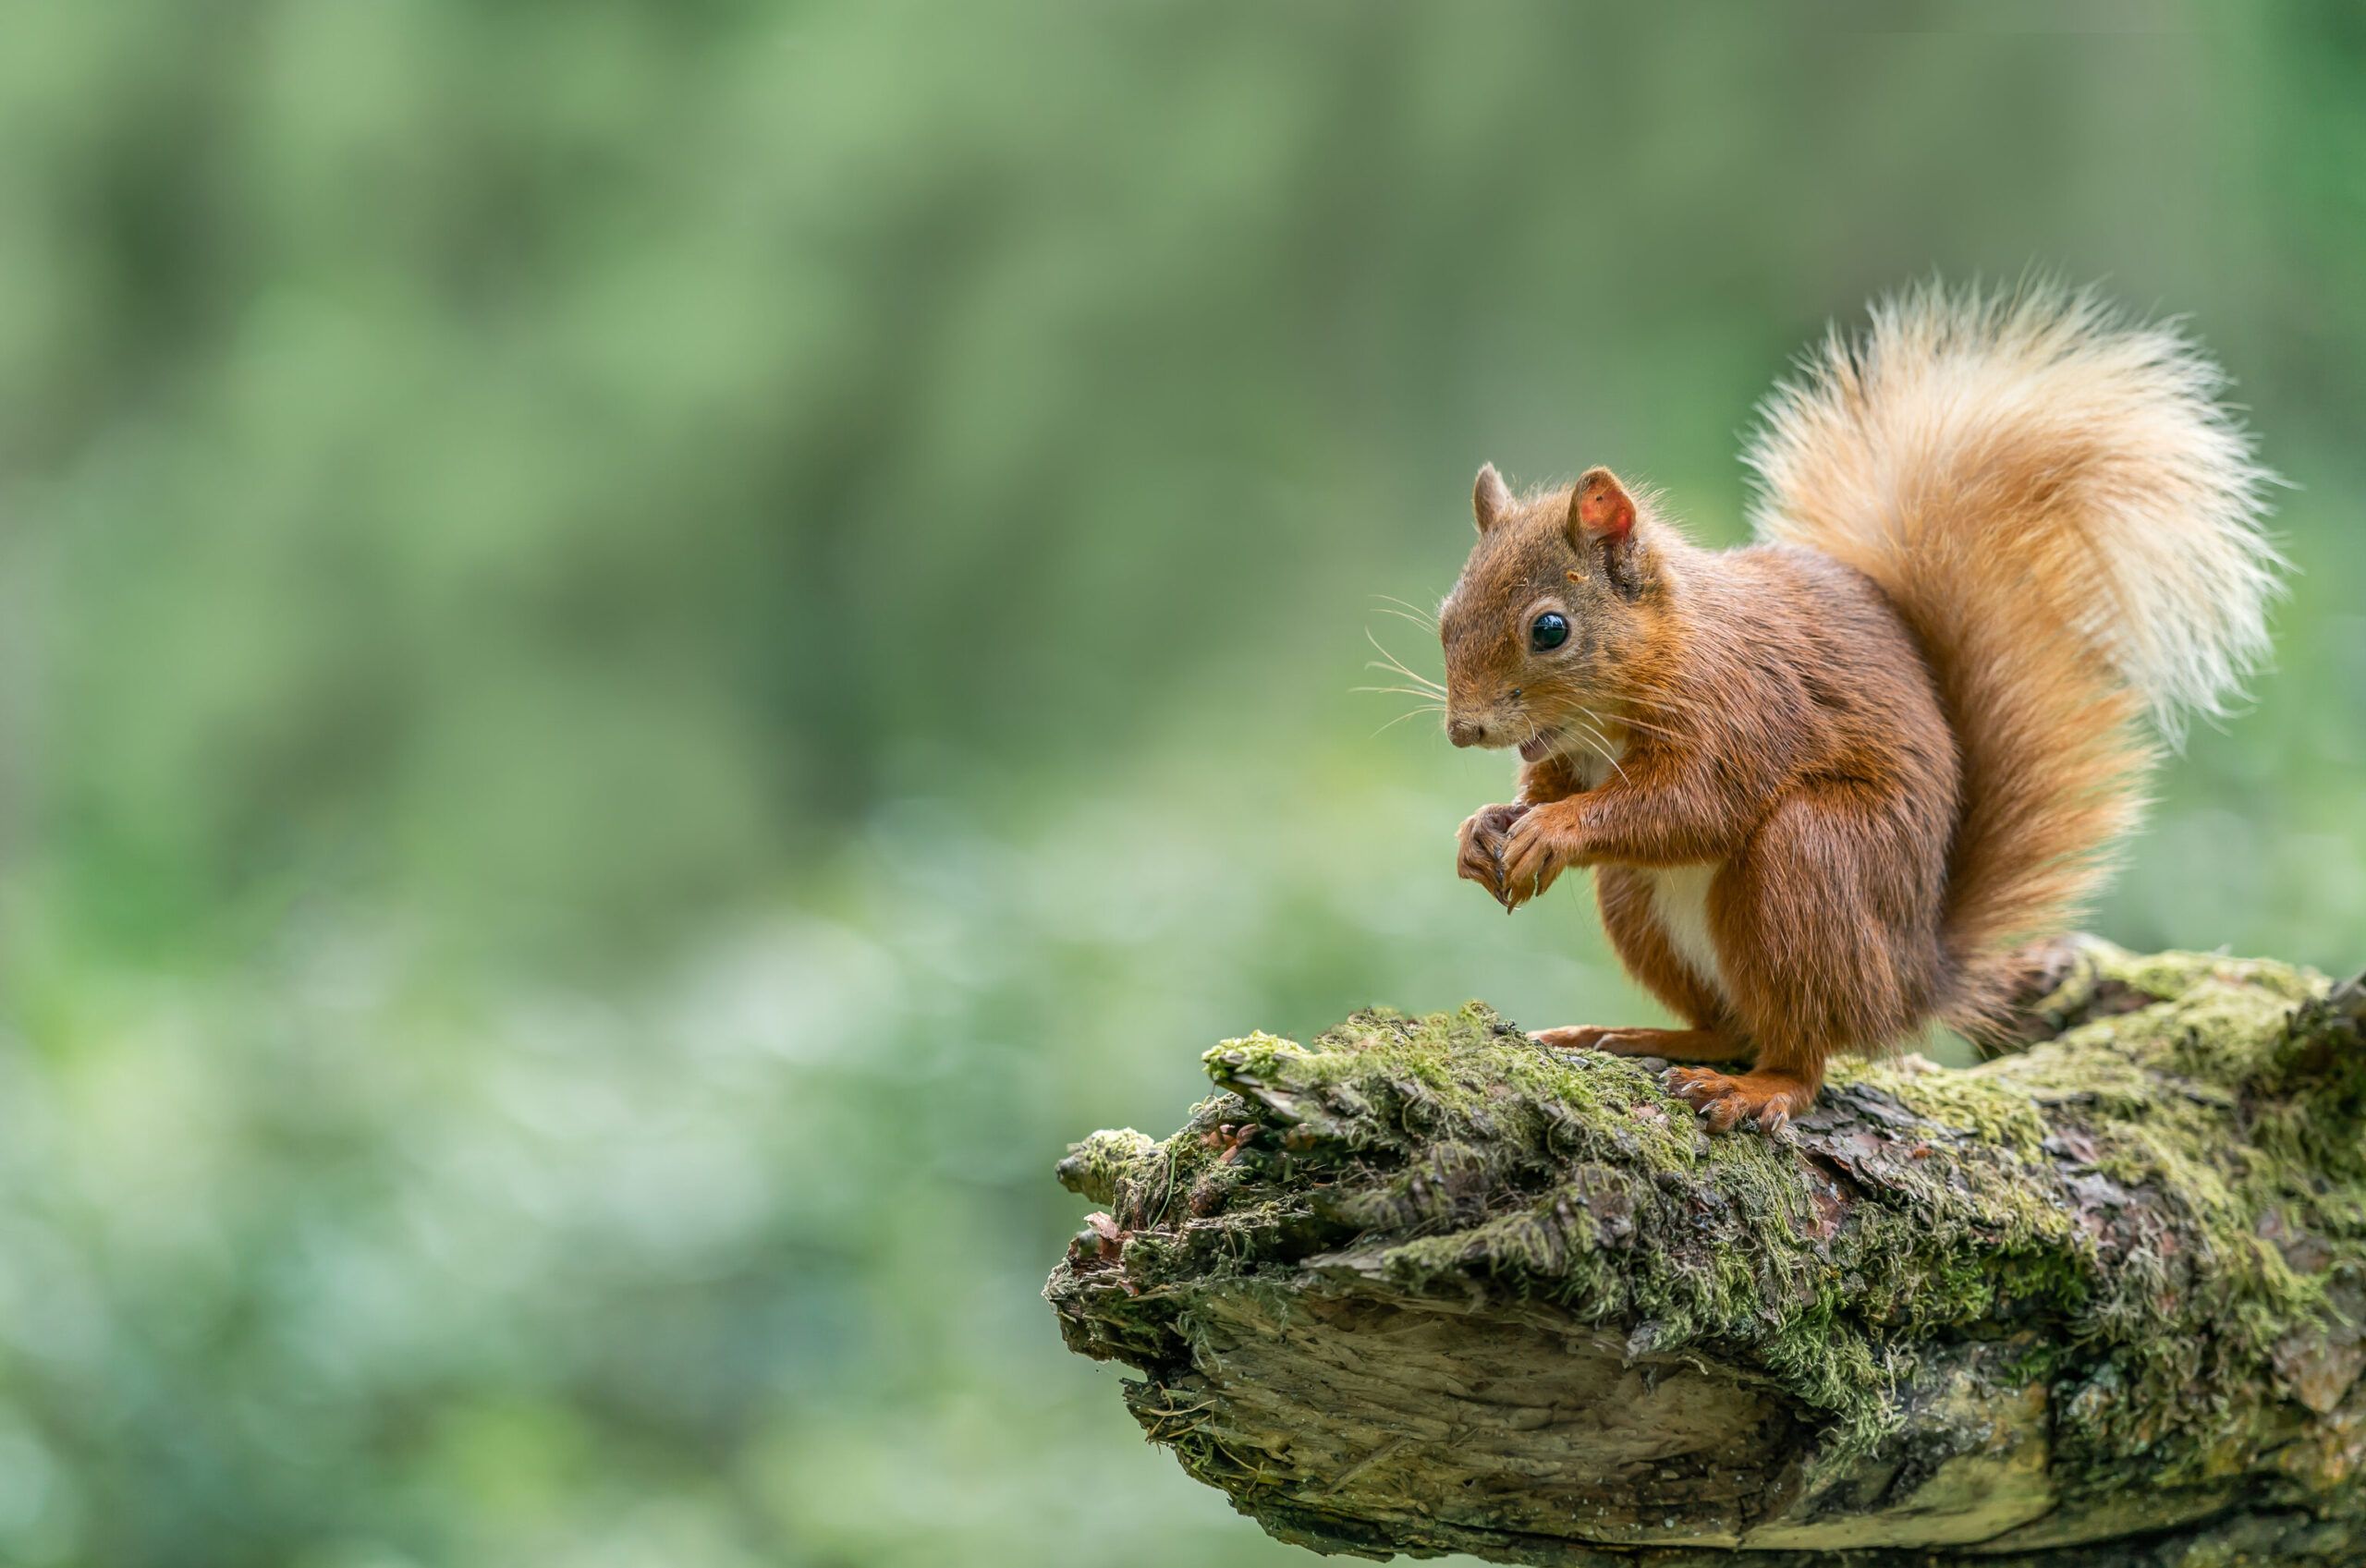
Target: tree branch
1420 1286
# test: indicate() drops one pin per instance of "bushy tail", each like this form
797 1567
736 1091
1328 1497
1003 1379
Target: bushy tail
2059 506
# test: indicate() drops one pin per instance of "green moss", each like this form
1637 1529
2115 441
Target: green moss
1986 1105
1094 1167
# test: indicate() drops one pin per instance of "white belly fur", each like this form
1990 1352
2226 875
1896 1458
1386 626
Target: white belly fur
1679 893
1680 899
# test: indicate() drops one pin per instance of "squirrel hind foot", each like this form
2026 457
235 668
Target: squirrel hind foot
1762 1098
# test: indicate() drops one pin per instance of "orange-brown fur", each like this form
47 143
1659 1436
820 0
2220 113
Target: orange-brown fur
1897 737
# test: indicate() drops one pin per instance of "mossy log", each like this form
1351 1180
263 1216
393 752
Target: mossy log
1420 1286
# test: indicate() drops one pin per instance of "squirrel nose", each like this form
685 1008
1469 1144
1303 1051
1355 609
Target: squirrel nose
1465 731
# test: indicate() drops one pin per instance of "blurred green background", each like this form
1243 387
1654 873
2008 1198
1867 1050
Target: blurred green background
645 651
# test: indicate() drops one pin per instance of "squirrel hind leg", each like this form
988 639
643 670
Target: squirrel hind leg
1673 1045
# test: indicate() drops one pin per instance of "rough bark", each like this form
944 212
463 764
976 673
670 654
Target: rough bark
1420 1286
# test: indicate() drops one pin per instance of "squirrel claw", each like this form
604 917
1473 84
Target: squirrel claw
1479 849
1762 1098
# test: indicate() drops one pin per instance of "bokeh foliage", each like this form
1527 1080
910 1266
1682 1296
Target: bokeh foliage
644 650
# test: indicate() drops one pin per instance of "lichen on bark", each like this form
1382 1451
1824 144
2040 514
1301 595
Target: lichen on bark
1421 1285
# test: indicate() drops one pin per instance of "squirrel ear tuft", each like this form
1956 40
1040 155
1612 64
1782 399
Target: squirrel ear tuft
1600 508
1488 498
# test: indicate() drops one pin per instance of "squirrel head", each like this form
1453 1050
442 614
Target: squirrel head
1552 615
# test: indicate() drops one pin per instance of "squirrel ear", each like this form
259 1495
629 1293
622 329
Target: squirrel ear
1488 498
1600 508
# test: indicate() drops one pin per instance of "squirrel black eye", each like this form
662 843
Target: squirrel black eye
1548 630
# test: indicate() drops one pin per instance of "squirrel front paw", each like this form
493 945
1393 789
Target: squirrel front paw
1478 846
1540 846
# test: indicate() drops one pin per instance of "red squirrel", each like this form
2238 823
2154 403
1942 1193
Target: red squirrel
1828 781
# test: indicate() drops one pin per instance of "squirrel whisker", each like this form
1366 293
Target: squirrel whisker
1600 744
1392 662
1411 612
1410 714
1407 615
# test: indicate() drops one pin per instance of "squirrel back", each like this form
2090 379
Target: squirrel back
2068 521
